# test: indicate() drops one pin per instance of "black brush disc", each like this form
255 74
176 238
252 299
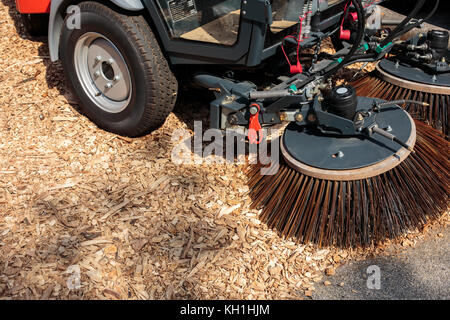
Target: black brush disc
411 73
333 152
386 85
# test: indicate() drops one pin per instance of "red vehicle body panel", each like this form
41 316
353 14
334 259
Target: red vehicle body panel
33 6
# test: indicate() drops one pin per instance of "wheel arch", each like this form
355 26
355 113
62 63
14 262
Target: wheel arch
58 12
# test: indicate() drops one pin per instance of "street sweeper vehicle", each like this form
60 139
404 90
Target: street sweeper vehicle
354 170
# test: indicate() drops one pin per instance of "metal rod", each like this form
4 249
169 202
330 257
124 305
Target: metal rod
391 137
402 101
269 94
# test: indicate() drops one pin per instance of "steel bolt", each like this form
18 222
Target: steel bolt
340 154
388 128
359 117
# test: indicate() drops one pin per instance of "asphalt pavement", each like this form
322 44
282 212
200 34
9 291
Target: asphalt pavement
419 272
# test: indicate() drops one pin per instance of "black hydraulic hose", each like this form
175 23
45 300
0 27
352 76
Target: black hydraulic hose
436 5
398 29
362 57
417 24
361 27
412 26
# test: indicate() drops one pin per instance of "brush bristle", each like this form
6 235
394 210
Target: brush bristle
361 212
437 114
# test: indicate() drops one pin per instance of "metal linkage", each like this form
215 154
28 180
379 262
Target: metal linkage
377 104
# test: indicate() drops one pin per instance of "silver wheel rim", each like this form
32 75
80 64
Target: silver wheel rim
103 72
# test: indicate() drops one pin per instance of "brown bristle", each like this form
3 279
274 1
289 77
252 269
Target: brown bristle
361 212
437 114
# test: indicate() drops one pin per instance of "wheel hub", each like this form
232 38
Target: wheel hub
103 72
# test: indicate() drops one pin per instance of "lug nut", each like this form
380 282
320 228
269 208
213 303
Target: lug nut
97 74
110 61
116 78
298 117
98 59
109 86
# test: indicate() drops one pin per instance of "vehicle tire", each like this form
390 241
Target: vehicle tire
36 24
115 66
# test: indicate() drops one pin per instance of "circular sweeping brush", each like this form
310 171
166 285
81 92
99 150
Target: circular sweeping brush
355 207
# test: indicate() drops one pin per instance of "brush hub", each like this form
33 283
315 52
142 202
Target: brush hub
343 102
338 157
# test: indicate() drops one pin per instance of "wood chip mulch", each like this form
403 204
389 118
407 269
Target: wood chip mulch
135 224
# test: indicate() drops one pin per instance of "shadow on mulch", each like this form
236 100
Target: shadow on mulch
66 248
18 23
